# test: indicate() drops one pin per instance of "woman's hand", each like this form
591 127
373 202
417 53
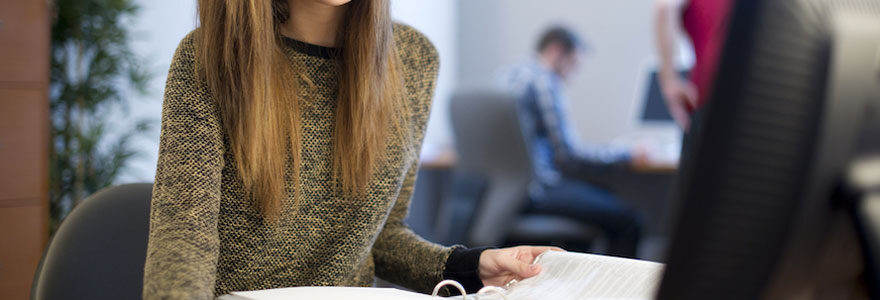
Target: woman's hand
500 266
681 97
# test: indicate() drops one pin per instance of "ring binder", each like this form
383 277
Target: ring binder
452 283
482 291
509 283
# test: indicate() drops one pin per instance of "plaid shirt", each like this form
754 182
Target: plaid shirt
543 106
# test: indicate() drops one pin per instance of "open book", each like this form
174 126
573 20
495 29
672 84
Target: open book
564 275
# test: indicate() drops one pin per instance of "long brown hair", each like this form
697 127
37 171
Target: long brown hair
239 47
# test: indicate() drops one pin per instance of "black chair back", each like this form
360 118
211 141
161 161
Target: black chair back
489 143
99 250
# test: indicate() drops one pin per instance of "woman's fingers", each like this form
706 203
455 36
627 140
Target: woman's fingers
535 251
514 262
519 268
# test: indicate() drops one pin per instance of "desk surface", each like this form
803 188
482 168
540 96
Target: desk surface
443 160
447 159
656 167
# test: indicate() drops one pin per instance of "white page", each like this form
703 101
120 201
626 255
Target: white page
569 275
564 276
327 293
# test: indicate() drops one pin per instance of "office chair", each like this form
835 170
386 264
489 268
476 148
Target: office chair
99 250
489 143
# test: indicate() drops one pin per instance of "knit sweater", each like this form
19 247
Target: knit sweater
207 239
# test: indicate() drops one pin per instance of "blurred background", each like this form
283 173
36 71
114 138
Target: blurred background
476 40
89 117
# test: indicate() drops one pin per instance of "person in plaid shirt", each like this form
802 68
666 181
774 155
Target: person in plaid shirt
571 177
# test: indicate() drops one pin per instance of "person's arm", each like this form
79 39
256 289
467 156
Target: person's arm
548 116
404 258
570 156
679 93
602 155
183 241
401 256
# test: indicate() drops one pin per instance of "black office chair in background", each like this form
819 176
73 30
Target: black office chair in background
99 250
491 151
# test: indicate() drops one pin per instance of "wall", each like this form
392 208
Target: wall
156 32
475 39
438 21
24 140
606 94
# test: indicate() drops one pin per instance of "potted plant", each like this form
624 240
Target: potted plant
93 71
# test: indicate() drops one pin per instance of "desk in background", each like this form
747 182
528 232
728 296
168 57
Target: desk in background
647 187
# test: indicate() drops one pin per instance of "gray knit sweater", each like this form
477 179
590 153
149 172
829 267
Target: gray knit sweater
206 239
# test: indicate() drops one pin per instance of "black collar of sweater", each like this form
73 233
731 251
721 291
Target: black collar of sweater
311 49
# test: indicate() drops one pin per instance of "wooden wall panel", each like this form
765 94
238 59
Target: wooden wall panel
24 42
24 136
17 246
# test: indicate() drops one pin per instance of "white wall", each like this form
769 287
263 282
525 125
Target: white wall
163 23
475 38
156 32
606 94
437 19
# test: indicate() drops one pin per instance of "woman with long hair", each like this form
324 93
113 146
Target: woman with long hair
289 148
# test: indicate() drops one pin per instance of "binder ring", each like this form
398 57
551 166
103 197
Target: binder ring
452 283
488 289
509 283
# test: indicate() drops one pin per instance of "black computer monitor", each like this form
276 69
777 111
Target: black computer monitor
654 109
781 163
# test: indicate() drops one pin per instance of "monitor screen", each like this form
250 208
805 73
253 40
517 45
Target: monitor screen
654 108
760 202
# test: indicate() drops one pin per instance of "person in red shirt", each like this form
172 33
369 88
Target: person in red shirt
704 21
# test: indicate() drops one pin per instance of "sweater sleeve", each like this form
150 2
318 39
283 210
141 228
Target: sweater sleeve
404 258
401 256
183 242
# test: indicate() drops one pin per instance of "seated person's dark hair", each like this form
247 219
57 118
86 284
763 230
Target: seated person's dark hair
561 35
